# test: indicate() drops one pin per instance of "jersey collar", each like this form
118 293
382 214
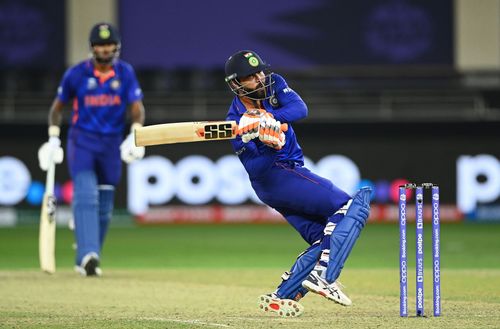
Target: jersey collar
240 107
103 77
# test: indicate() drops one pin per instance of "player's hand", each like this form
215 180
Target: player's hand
248 128
270 132
129 152
51 151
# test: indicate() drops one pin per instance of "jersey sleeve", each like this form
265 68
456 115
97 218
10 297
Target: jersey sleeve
134 91
291 106
255 157
66 90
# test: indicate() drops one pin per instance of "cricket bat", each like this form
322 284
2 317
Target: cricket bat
185 132
47 236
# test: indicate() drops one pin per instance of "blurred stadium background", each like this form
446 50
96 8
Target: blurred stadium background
397 90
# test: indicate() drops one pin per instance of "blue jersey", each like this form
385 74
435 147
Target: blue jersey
278 177
99 100
257 157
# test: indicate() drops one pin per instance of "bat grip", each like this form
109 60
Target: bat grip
284 127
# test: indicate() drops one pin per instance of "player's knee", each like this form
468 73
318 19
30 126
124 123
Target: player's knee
359 209
85 188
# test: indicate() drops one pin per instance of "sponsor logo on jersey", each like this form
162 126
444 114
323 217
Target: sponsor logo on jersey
102 100
91 83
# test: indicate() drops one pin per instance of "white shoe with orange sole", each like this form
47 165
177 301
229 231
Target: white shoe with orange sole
331 291
282 307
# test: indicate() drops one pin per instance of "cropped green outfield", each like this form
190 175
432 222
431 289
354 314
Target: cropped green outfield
209 276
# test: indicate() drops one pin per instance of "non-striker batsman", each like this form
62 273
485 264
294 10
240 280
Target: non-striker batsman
326 217
100 90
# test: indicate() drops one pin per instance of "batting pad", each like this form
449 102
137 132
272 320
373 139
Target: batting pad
292 280
347 232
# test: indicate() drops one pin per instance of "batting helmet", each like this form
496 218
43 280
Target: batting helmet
243 64
104 33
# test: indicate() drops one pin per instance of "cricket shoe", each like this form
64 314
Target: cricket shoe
89 265
315 283
282 307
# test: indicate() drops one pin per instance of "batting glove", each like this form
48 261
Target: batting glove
248 128
130 152
270 132
51 151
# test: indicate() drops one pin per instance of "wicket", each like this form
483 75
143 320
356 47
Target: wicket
419 241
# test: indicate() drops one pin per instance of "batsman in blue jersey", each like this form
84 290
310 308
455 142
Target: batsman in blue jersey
326 217
100 90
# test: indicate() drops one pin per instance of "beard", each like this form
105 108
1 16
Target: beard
258 93
106 57
104 60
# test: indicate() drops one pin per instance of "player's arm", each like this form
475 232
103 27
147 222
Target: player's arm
134 97
55 112
137 112
256 160
130 152
291 106
65 93
52 150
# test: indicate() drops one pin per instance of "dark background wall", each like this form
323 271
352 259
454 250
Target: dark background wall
291 34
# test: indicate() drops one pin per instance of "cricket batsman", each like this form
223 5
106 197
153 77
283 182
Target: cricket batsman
100 90
326 217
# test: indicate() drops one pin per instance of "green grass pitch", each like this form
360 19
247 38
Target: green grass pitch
209 276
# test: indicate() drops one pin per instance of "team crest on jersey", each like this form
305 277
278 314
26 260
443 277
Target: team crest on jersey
91 83
115 84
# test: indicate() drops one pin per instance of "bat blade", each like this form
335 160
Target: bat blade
47 234
185 132
47 237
